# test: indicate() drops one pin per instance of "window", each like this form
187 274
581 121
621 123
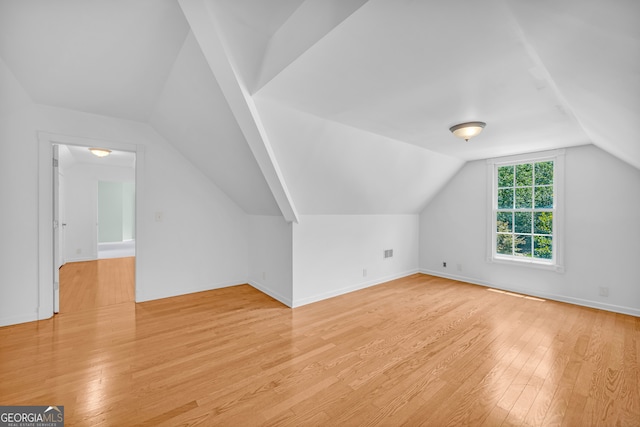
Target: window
525 210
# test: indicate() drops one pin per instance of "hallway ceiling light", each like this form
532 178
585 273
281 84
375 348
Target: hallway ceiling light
467 130
100 152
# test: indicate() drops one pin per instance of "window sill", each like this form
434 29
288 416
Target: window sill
525 262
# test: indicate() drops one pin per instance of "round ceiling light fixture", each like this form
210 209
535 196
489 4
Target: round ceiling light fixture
467 130
100 152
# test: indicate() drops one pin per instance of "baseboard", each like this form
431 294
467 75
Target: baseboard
352 288
20 318
561 298
273 294
142 295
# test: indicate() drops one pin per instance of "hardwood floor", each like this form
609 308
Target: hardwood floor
416 351
93 284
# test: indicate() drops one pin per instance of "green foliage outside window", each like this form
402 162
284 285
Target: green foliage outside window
524 175
544 173
524 216
505 176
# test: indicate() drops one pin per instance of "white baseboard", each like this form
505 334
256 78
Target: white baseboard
352 288
561 298
273 294
143 295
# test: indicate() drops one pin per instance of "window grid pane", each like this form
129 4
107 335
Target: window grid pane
504 222
505 198
524 211
524 197
505 176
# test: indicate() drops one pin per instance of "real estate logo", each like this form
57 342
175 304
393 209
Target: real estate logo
31 416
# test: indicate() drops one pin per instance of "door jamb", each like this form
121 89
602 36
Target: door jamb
46 140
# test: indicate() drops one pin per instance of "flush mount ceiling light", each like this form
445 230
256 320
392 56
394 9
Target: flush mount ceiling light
467 130
100 152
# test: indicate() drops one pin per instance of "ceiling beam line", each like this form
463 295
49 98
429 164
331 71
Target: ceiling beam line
207 33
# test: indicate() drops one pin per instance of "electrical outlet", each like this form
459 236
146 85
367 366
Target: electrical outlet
264 275
159 216
604 291
364 272
444 264
78 251
459 267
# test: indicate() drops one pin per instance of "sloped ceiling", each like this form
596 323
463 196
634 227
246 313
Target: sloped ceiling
410 70
352 171
592 52
103 57
353 98
193 113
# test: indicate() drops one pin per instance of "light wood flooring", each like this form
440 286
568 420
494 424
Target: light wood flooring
416 351
92 284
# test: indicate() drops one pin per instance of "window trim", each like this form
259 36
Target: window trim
557 263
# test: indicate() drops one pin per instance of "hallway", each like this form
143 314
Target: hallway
92 284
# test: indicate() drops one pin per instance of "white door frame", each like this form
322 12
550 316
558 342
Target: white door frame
46 263
57 228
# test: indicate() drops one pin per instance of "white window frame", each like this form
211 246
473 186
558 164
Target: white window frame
557 261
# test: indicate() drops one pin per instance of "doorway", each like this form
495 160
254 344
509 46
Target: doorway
99 283
95 239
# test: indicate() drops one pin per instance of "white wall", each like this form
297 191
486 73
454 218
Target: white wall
330 253
18 195
270 257
128 211
602 234
19 219
80 189
200 244
13 96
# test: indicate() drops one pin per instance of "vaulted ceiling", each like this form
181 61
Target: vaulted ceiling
338 106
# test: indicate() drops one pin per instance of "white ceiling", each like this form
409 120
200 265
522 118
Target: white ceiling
356 96
193 113
411 69
106 57
72 155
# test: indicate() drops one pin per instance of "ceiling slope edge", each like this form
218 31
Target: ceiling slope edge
335 168
14 95
601 142
205 30
283 106
581 103
309 24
